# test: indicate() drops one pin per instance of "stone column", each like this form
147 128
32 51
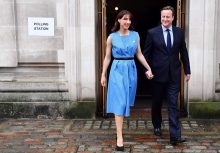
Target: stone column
217 47
8 51
201 49
70 46
80 49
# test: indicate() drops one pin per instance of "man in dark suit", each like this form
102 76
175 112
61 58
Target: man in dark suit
164 48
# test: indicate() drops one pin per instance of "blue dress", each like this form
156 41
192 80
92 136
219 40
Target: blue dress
123 74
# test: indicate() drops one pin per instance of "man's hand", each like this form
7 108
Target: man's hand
188 76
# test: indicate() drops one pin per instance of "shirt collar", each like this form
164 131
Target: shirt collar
164 29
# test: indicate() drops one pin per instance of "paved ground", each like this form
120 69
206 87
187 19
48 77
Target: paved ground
91 136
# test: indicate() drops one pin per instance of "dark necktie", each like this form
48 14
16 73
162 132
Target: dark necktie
168 40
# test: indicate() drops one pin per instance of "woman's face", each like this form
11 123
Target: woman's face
125 22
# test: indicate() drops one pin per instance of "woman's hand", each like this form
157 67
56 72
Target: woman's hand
103 80
149 74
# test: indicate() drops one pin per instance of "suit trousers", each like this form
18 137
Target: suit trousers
170 90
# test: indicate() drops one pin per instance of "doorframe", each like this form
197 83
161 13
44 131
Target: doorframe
181 17
102 91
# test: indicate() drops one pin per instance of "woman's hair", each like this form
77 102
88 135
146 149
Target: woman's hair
169 8
120 15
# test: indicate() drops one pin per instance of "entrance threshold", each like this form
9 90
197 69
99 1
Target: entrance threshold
142 108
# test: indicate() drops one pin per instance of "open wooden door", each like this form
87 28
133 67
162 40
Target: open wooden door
181 8
101 101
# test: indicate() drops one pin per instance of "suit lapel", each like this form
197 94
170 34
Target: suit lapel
175 37
161 37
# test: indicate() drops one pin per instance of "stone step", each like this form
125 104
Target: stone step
33 86
35 76
32 69
47 109
31 109
33 72
33 96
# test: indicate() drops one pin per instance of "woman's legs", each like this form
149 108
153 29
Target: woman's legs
119 127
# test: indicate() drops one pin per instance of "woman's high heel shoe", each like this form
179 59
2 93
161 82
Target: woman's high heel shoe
119 148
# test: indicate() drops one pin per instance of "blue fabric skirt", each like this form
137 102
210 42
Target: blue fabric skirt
122 87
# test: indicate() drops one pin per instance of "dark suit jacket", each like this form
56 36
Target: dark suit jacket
166 65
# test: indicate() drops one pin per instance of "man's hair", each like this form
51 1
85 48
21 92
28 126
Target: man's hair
168 8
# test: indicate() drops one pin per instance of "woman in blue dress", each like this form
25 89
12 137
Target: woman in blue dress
123 44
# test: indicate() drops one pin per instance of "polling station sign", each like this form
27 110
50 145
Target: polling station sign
40 26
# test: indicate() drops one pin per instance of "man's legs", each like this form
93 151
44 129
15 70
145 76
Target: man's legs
173 110
158 92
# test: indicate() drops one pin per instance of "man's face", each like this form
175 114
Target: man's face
166 18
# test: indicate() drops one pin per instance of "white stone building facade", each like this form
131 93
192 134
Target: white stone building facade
60 70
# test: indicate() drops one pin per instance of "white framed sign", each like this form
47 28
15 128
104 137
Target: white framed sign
40 26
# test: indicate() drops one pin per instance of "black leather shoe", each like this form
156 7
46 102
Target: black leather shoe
176 141
157 132
119 148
